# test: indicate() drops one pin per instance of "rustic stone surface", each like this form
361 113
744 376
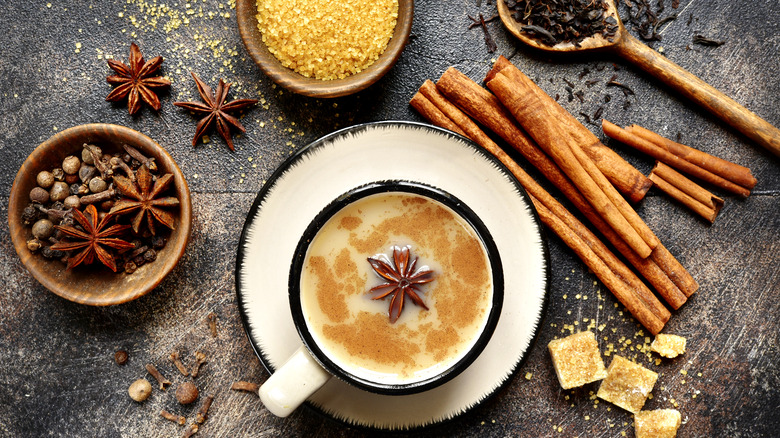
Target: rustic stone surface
58 376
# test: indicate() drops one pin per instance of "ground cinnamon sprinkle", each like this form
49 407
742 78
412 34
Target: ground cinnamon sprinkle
327 39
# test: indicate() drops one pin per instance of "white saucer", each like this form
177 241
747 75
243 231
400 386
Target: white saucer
352 157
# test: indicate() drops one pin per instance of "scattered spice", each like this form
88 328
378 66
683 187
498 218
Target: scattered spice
200 417
192 430
180 366
144 196
402 280
187 393
178 419
136 81
216 111
140 390
120 357
212 321
200 359
245 386
164 383
626 89
560 21
92 239
704 41
489 42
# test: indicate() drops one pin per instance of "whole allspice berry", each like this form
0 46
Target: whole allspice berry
44 179
121 357
43 229
39 195
186 393
71 164
59 191
140 390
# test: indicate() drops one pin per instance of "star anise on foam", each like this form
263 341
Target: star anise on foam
135 81
402 280
216 111
92 239
144 196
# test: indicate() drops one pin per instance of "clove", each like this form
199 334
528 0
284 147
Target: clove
245 386
178 419
136 154
54 214
97 160
192 430
94 198
212 318
164 383
200 359
200 417
117 163
180 366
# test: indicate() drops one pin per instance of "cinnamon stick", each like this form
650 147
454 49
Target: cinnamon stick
685 191
609 269
424 106
661 154
625 177
661 269
726 169
540 123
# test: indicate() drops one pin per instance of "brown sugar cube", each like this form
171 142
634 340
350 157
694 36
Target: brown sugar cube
661 423
577 359
627 384
668 345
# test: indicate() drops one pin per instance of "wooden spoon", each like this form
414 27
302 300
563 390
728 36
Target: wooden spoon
687 84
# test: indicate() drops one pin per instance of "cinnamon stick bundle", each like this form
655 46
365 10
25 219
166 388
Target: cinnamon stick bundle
625 177
539 121
685 191
659 152
624 284
661 269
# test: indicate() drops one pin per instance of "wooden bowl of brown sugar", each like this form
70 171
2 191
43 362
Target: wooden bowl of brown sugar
95 284
247 14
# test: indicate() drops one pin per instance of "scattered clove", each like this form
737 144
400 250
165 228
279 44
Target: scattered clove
200 418
164 383
178 419
192 430
212 319
200 359
180 366
245 386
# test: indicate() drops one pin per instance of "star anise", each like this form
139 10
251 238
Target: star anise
216 111
135 81
93 239
402 280
143 195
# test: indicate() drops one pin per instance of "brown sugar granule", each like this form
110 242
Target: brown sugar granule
327 39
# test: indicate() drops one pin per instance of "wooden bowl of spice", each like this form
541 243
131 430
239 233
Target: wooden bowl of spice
121 224
325 48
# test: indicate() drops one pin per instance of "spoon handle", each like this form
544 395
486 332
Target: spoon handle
690 86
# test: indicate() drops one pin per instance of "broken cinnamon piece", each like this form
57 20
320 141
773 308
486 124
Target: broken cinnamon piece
662 270
574 232
726 169
245 386
661 154
540 123
164 383
180 420
180 366
212 319
685 191
626 178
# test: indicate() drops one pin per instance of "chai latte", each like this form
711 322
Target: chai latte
354 330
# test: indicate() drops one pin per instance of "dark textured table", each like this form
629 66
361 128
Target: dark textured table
57 372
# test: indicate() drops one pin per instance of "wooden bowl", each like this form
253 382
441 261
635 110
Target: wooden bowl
246 11
96 285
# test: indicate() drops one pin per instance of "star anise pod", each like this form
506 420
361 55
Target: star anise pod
143 195
216 110
135 81
93 239
402 280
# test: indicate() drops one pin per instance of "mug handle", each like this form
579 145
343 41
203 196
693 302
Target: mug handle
292 383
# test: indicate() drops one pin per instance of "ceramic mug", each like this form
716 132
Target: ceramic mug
395 288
